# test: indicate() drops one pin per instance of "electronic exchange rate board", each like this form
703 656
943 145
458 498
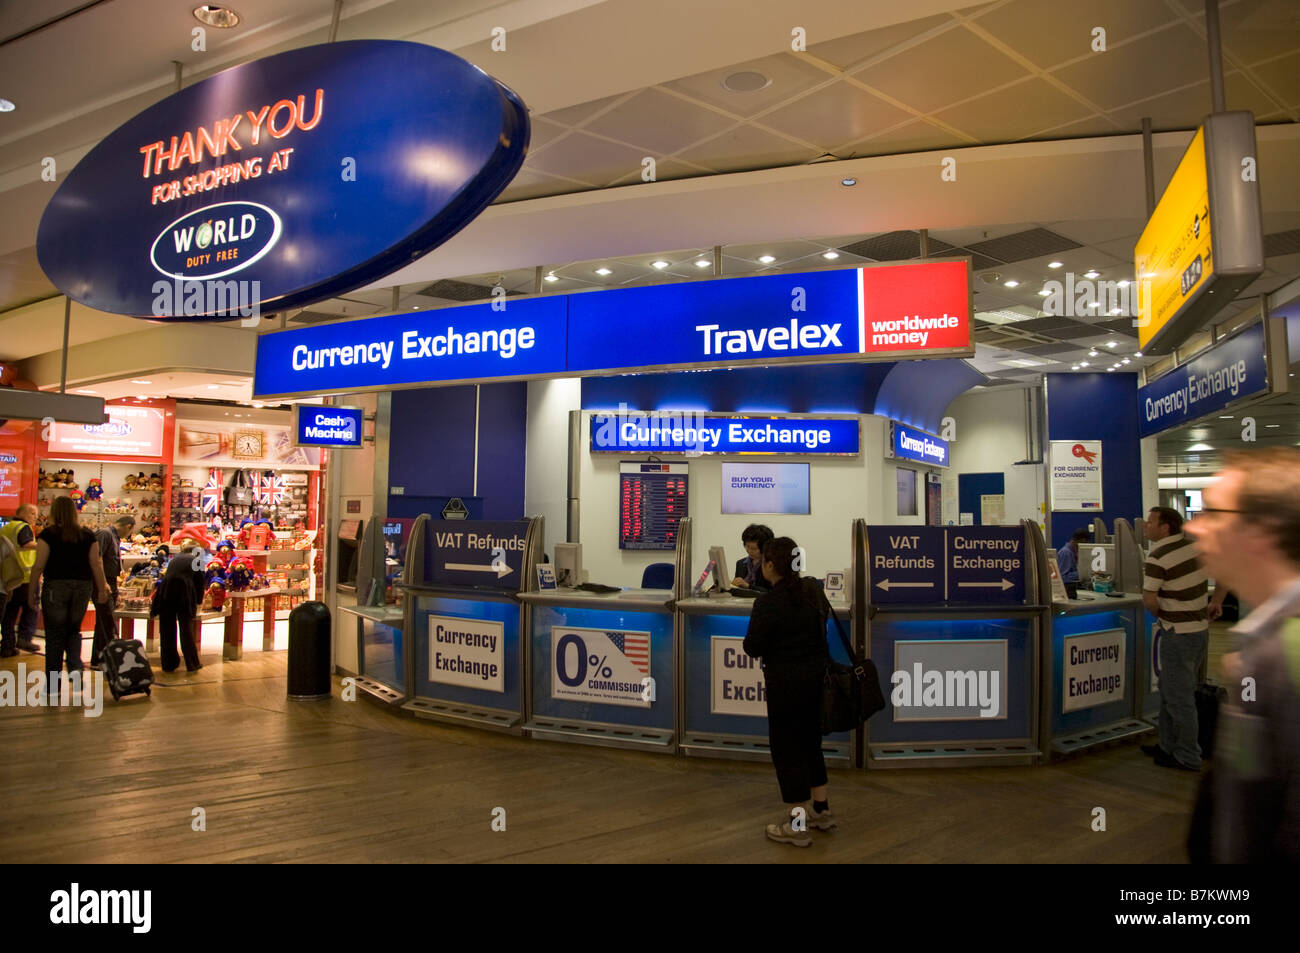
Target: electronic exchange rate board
651 502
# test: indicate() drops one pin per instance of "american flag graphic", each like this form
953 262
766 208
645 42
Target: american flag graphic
635 646
212 491
270 492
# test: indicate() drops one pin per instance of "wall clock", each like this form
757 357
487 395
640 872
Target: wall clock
248 445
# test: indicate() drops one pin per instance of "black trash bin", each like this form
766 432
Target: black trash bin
309 652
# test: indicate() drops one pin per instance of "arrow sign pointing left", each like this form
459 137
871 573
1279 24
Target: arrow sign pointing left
1004 585
887 585
501 570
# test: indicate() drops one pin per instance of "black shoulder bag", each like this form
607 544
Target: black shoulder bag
850 695
239 493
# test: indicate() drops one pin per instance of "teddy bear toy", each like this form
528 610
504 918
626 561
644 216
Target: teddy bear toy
217 593
43 480
95 489
78 498
239 576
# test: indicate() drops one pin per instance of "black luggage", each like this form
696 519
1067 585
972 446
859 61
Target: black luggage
126 670
1208 698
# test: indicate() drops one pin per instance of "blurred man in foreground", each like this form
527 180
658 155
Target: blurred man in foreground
1249 537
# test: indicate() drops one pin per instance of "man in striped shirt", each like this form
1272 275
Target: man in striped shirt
1176 592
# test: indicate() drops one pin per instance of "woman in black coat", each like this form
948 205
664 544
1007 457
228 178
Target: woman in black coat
787 628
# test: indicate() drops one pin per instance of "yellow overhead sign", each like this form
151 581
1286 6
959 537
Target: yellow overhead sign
1173 256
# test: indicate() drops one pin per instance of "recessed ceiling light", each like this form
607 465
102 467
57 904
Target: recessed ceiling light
1125 361
1091 274
1011 283
1199 448
1137 353
1116 310
703 263
1094 352
1054 264
550 278
1109 369
660 264
1122 283
1112 344
415 307
746 81
1225 416
603 271
1075 368
6 106
830 255
134 381
848 181
141 397
1083 363
1272 425
213 386
766 259
86 390
219 17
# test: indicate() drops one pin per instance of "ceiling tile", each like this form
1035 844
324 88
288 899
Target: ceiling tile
915 136
1021 246
946 69
747 147
658 123
1162 61
847 51
665 170
1050 33
788 76
1254 30
1240 92
542 131
831 116
577 115
1095 125
588 159
530 184
1015 112
1282 76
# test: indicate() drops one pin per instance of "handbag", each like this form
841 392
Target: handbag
850 694
239 493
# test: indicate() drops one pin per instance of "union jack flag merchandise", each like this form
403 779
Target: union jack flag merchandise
271 491
212 491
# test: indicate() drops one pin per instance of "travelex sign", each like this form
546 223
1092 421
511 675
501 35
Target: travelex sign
874 313
908 443
337 427
692 433
299 176
1231 370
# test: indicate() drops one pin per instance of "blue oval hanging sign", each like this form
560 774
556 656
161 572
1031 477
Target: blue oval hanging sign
283 182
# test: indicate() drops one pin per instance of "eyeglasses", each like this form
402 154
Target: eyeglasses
1211 509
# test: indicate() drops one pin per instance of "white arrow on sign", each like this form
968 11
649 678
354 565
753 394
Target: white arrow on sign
503 570
887 585
1004 585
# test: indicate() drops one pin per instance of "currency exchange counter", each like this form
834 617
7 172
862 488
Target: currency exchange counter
724 703
602 667
1096 666
955 628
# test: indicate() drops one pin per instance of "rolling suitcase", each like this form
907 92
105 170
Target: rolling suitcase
1208 698
126 670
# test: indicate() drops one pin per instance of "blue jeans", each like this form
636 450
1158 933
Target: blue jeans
1181 656
63 603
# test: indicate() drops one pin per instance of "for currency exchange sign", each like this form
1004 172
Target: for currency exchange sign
289 180
883 312
929 565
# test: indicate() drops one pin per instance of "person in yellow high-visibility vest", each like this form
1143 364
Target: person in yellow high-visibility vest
18 625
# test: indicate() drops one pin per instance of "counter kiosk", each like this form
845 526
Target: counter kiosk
604 667
955 617
378 628
724 709
464 656
1095 662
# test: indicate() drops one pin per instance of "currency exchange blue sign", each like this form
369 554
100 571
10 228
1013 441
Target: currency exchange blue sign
282 182
1232 370
697 434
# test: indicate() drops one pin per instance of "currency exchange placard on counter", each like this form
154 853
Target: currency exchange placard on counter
467 652
610 667
926 565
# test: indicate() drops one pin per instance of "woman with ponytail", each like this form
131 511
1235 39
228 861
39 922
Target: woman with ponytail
787 630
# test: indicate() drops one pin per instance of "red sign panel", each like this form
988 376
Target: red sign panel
11 479
922 307
131 431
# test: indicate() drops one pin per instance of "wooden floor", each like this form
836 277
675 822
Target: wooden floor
336 781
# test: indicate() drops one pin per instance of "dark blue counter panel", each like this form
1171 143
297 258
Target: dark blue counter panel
462 660
607 647
1004 645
